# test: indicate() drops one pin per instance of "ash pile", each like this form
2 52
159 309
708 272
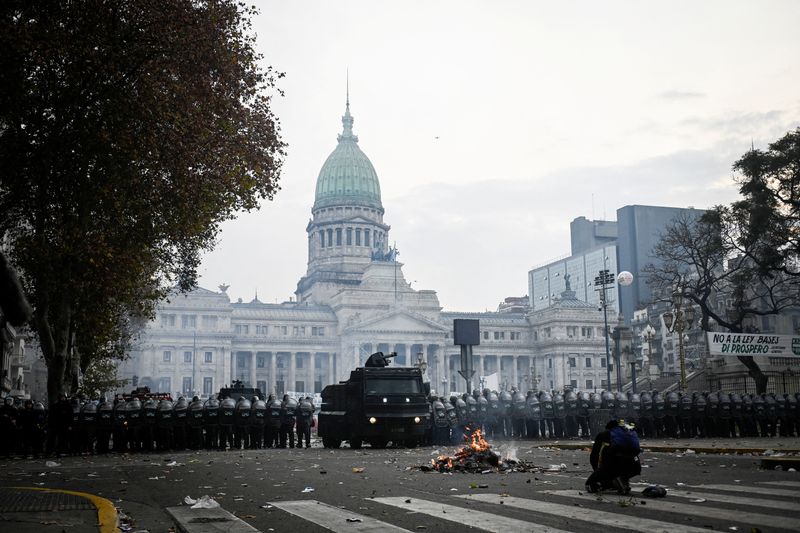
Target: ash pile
477 457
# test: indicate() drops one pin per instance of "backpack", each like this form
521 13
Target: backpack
623 438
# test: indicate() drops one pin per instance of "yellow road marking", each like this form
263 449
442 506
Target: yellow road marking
106 512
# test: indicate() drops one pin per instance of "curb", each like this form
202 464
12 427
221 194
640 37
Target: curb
672 449
107 518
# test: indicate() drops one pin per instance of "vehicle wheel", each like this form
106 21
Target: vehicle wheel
355 444
331 443
379 443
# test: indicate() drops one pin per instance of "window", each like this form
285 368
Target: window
318 363
322 239
279 387
366 237
349 236
586 332
299 362
165 385
242 329
260 361
588 362
239 362
338 236
330 237
358 236
302 331
589 384
572 362
284 330
549 363
573 383
572 331
209 357
486 335
167 356
208 385
279 363
167 321
209 322
604 384
187 357
295 331
188 321
262 386
499 335
299 386
187 386
321 331
317 387
603 363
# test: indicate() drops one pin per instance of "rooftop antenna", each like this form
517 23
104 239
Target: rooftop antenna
348 89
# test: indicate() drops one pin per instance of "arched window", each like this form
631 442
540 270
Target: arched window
349 236
366 237
358 236
338 236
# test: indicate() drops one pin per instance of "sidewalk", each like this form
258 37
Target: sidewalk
756 446
35 510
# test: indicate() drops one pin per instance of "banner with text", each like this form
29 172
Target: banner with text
753 344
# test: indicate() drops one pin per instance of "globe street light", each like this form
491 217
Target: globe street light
679 320
648 335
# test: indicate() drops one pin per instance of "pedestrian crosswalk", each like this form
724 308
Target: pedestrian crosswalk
772 506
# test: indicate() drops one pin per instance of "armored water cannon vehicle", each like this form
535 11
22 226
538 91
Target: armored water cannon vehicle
376 405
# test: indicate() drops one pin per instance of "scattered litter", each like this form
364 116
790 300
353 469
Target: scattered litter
249 516
189 500
699 500
91 475
323 472
792 470
354 520
205 502
266 506
157 477
358 470
174 463
454 489
680 484
689 451
51 464
556 468
768 452
733 528
307 489
408 500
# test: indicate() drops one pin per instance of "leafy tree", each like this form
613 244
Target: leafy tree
738 262
100 377
129 130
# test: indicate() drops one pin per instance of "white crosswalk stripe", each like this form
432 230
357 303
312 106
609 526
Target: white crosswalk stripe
737 500
615 520
469 517
700 509
781 483
334 518
748 489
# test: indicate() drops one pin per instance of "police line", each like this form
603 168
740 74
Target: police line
724 343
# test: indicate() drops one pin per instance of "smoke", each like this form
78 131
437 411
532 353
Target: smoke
511 453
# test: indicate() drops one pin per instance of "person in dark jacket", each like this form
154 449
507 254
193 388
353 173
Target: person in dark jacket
614 458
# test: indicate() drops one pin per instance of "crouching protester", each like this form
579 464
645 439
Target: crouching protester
614 458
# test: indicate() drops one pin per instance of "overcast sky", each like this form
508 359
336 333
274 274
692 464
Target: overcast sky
492 125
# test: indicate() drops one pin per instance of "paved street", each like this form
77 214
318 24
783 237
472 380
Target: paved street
269 490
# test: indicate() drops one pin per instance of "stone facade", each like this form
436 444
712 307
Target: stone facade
353 301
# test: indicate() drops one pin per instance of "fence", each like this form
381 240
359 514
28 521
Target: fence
786 381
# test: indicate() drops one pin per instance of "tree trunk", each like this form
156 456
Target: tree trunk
52 324
754 371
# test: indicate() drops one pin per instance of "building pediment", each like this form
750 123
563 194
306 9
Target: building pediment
395 321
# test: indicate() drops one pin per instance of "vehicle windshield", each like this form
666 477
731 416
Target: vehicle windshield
392 386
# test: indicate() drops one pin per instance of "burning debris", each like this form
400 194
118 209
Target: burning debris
477 457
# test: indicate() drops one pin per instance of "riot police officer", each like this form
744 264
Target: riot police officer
241 424
211 412
133 413
148 426
165 422
227 414
504 422
559 421
195 423
760 414
546 424
257 421
571 413
88 426
494 413
120 426
462 418
685 414
305 417
441 427
518 413
582 412
75 436
105 423
452 418
8 426
180 414
659 414
273 423
472 410
533 415
737 415
482 419
749 416
288 412
646 415
59 423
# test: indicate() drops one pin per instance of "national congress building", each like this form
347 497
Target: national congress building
352 301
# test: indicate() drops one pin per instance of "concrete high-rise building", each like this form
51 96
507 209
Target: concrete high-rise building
587 234
639 228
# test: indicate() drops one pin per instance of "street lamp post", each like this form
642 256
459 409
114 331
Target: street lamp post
648 335
603 280
679 320
421 363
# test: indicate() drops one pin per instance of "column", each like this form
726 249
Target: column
253 358
226 369
272 379
292 367
514 378
330 376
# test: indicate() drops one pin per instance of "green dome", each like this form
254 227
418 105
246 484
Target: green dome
348 177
